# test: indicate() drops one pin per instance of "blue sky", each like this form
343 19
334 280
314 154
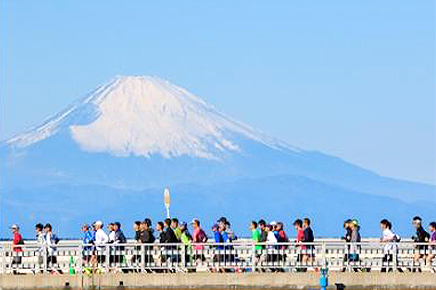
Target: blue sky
355 79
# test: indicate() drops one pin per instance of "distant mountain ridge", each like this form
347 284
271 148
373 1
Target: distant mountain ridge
138 133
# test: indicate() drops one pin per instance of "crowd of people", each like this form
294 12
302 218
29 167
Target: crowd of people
264 236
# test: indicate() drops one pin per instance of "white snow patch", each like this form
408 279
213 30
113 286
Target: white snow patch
143 116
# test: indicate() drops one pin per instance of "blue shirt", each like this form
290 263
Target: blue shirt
88 238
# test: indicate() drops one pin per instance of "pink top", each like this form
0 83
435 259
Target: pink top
199 237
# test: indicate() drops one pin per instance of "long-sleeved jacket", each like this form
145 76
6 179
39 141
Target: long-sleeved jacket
146 237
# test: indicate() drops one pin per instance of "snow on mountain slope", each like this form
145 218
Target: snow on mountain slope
142 132
142 116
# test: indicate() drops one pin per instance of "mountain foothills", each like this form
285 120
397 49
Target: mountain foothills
109 155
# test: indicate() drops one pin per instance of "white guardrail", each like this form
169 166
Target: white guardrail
239 256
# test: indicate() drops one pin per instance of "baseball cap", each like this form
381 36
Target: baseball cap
98 223
273 223
222 220
15 227
183 224
195 220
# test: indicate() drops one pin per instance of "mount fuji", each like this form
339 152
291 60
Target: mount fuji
109 155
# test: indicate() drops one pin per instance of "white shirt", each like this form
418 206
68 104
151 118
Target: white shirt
51 246
271 238
388 237
112 236
101 238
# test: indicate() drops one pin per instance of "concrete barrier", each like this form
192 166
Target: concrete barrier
308 280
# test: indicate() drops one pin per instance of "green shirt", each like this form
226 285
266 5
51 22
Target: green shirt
185 239
256 239
178 233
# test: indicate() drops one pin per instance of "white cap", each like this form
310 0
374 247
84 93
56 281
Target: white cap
195 220
273 223
98 223
15 227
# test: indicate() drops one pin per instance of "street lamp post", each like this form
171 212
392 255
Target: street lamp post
167 201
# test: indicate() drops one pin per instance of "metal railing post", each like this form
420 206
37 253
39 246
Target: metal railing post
3 253
183 256
80 259
142 258
324 255
253 258
44 258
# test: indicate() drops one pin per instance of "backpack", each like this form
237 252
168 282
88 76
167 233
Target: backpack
202 236
54 238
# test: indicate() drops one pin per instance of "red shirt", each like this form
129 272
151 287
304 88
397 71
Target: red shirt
17 240
300 237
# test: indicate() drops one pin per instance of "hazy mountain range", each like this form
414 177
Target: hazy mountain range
109 155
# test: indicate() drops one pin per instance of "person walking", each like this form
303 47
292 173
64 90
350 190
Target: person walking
16 246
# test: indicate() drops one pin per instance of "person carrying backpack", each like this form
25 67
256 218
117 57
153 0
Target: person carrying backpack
421 238
199 237
51 240
389 239
17 241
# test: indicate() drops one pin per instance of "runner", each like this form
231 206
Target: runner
389 239
302 256
308 237
256 238
51 241
175 228
17 241
198 238
119 238
136 229
111 235
355 246
263 232
432 242
421 238
88 238
40 240
101 240
347 239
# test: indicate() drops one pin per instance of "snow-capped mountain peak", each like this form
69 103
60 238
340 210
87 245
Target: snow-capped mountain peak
143 116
